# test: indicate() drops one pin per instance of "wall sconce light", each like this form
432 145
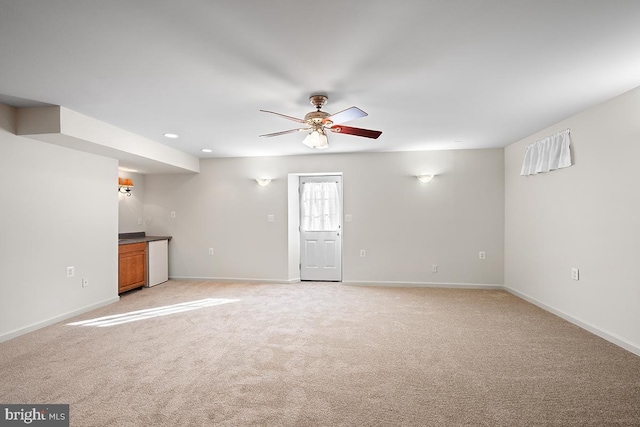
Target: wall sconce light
263 182
425 178
125 185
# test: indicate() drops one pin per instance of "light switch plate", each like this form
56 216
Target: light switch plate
575 273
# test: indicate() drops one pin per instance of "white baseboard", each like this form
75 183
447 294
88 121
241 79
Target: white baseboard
611 337
349 283
232 279
424 285
38 325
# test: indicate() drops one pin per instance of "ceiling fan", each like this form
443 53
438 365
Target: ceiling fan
318 122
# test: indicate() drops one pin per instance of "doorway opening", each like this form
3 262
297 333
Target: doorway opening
315 227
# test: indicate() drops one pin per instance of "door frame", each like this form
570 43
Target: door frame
336 274
293 216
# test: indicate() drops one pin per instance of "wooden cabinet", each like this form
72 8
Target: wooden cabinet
132 266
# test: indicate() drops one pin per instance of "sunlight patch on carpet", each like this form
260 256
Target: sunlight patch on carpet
134 316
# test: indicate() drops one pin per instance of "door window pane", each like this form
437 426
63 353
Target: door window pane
320 206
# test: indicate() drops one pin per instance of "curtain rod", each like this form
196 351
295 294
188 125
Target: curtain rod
565 130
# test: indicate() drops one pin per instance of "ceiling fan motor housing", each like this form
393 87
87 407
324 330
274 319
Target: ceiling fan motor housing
317 118
318 101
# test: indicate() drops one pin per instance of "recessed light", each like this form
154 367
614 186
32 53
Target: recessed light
206 150
170 135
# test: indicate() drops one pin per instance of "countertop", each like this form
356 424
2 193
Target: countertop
130 238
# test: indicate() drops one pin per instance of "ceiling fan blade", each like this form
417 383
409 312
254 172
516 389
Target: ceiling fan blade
367 133
286 117
347 115
284 132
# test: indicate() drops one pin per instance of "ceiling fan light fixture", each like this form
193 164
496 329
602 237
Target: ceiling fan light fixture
316 139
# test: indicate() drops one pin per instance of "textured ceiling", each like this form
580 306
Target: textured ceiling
431 74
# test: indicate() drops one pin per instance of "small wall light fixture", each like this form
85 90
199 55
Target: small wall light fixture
125 185
263 182
424 177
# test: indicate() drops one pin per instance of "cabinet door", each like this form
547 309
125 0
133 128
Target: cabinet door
132 271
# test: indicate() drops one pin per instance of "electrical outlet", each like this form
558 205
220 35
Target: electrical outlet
173 214
363 253
85 282
434 268
271 218
482 255
210 251
575 273
348 218
71 271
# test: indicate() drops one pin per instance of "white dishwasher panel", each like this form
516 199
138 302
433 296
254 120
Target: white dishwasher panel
158 262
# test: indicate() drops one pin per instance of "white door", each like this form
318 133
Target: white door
321 228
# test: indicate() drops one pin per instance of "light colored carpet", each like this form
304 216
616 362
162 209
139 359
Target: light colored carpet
325 354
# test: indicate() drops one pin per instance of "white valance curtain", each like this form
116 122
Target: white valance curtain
320 206
548 154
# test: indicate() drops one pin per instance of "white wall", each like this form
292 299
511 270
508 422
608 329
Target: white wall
61 126
585 216
130 208
404 225
58 209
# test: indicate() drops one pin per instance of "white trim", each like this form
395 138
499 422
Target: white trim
233 279
315 173
39 325
424 285
609 336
